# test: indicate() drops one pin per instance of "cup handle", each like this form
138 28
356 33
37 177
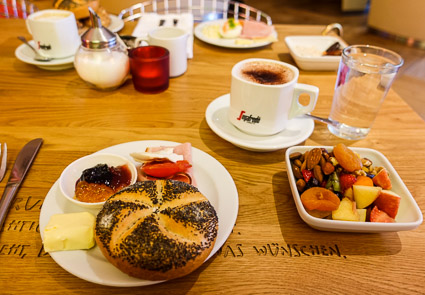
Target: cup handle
141 41
297 108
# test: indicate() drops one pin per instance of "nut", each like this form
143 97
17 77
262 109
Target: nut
317 171
294 156
328 168
366 162
298 163
301 185
306 155
359 172
322 161
304 165
313 158
297 171
326 156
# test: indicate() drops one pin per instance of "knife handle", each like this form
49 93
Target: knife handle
6 201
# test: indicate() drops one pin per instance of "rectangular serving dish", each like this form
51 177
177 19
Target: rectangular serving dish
306 50
409 215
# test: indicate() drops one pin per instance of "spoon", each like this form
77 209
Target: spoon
333 123
37 56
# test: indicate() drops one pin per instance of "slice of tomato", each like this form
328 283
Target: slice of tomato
166 169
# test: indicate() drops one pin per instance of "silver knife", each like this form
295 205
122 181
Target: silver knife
22 164
3 161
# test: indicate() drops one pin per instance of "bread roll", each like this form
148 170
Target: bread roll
80 8
157 230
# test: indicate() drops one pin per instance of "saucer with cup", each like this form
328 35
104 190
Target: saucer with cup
262 112
48 28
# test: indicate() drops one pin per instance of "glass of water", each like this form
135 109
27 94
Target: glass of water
365 75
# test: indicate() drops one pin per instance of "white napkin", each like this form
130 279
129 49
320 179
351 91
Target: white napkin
149 21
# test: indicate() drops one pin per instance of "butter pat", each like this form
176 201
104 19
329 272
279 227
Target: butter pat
71 231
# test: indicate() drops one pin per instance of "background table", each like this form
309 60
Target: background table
262 255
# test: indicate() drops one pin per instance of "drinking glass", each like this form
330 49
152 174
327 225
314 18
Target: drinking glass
365 75
150 68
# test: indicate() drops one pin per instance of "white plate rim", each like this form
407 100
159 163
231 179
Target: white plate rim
223 101
227 43
399 187
202 163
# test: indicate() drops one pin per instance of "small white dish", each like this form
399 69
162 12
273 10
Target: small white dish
298 130
307 52
409 215
73 171
227 43
26 55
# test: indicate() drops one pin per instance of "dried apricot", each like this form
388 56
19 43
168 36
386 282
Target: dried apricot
347 158
364 180
319 214
319 198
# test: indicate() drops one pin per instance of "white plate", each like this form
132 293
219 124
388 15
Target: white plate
229 43
116 23
213 180
307 50
298 130
25 54
409 215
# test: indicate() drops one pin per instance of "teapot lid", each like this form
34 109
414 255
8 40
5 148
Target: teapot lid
97 37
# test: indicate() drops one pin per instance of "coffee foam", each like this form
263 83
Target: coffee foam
266 73
52 16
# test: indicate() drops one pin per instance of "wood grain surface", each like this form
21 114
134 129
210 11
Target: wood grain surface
263 253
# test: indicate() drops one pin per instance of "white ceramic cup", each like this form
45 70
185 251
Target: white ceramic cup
55 32
173 39
264 109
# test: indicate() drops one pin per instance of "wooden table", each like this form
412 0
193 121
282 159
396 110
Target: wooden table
259 256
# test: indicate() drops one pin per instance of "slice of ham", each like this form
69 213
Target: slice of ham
184 149
255 30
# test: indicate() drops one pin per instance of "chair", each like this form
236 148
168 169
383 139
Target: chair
16 9
202 10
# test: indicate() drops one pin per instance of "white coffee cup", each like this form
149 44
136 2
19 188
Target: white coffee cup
173 39
55 32
265 96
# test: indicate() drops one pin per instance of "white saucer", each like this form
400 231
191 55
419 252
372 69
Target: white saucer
298 130
25 54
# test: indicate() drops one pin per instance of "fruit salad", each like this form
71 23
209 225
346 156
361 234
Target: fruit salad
341 185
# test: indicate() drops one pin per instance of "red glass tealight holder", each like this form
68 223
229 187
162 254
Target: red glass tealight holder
150 68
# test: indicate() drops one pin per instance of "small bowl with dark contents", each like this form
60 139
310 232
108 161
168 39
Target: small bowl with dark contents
91 180
316 53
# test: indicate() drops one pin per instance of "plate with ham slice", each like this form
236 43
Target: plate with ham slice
252 35
212 180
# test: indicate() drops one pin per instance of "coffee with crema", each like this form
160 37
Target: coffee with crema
266 73
52 16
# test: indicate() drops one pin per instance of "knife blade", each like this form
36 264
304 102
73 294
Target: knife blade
3 161
20 168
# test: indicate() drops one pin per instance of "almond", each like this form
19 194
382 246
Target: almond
313 158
